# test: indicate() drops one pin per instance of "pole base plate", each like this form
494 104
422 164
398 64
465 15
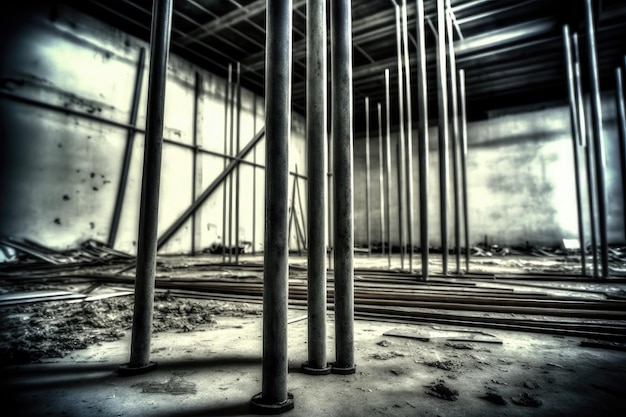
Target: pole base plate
309 370
258 406
127 370
340 370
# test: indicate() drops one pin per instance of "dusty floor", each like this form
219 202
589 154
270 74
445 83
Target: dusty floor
210 363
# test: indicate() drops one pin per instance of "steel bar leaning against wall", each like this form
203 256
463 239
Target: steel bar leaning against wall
149 210
274 397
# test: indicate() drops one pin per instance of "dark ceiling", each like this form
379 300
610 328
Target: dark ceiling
511 50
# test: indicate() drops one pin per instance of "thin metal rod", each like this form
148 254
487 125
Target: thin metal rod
573 105
422 109
317 124
302 229
276 256
388 166
584 129
368 205
454 139
409 135
149 209
237 145
442 101
178 223
341 69
128 152
230 178
401 141
621 112
227 98
194 163
254 185
381 174
463 143
600 157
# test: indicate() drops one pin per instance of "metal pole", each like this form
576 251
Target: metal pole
194 165
588 147
463 138
237 169
600 158
401 150
621 107
368 206
381 186
128 152
341 69
149 210
422 102
409 133
388 166
573 105
230 178
254 181
454 138
227 97
274 397
442 96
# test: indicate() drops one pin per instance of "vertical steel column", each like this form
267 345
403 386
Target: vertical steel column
316 125
227 97
128 152
588 147
341 69
238 144
422 103
388 165
254 181
463 102
409 134
274 398
454 138
600 158
194 166
573 105
442 95
381 186
621 113
149 210
401 139
367 176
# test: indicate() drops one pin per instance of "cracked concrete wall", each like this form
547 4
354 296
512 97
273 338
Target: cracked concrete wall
520 182
60 171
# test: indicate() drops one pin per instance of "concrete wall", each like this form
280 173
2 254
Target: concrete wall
60 172
520 182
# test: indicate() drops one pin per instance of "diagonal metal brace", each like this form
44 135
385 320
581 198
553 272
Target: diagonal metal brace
167 235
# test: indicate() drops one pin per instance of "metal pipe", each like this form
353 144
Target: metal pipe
621 111
274 395
227 97
238 144
149 209
368 205
401 140
254 181
303 228
463 143
130 140
573 105
341 70
442 97
600 158
422 103
194 166
409 134
454 138
388 166
230 178
381 186
588 148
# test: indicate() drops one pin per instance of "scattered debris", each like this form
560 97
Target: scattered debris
531 385
555 365
174 386
494 397
383 343
445 365
387 355
459 346
526 400
397 372
442 391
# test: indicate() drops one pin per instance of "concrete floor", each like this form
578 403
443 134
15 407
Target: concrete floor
215 370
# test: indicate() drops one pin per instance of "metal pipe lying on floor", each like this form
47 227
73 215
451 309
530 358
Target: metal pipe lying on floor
149 209
341 69
274 397
569 67
316 186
